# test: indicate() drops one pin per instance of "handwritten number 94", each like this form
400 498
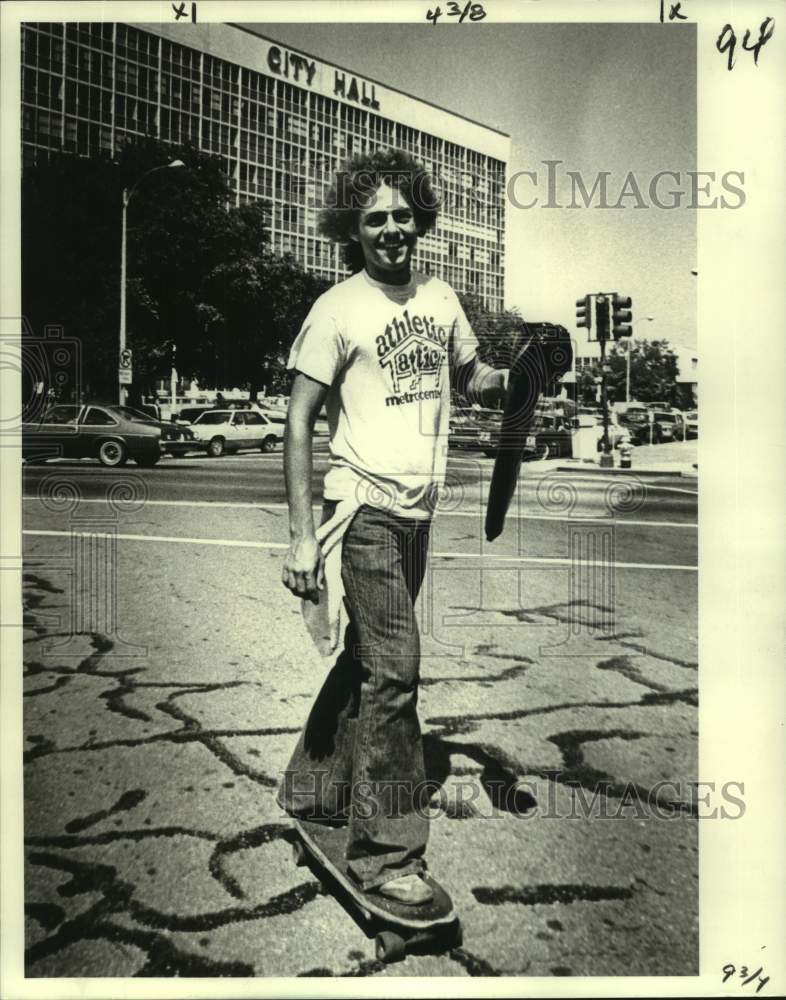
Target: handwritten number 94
727 41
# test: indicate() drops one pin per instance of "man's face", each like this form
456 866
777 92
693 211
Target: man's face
387 233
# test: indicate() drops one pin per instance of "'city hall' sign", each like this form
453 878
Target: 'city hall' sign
301 70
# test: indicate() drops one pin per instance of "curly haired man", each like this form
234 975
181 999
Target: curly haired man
380 350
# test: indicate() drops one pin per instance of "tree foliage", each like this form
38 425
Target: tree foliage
653 374
203 287
496 331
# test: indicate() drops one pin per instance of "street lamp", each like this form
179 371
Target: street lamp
648 319
127 195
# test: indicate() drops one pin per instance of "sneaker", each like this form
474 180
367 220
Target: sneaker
409 889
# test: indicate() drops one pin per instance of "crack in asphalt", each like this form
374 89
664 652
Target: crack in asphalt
497 776
472 964
59 683
69 841
538 895
48 915
163 958
476 966
555 612
484 680
128 800
246 839
366 967
243 841
647 651
623 666
34 591
178 736
576 773
212 743
450 724
40 583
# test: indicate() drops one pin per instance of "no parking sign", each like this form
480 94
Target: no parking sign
125 369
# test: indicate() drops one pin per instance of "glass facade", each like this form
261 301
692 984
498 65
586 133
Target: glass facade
90 88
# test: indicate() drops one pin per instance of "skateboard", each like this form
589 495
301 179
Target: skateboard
397 926
541 355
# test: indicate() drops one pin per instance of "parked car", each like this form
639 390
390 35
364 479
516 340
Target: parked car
176 440
220 431
551 439
188 414
110 433
668 425
273 402
691 424
480 430
464 428
636 418
653 424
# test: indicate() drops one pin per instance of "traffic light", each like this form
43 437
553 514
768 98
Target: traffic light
584 312
602 304
621 316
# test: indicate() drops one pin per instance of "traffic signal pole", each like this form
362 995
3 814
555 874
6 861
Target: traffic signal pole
612 317
606 458
603 325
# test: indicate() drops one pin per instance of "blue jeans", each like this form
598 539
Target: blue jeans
360 755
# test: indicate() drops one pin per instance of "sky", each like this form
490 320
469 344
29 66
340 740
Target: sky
600 97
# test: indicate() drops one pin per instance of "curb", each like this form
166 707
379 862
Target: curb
595 470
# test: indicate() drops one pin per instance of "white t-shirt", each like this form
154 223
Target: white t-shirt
385 351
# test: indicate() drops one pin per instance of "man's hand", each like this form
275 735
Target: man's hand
480 383
304 568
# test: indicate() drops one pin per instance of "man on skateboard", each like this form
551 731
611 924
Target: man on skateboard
380 350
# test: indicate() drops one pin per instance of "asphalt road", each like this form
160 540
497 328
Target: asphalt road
167 673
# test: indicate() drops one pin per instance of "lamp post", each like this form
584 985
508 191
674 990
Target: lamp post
127 195
648 319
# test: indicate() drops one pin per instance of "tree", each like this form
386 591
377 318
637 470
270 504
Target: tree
586 386
203 287
653 372
653 375
496 332
71 216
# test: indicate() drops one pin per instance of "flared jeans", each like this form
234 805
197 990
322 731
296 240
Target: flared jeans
359 758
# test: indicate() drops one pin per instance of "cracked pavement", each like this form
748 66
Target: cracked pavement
554 728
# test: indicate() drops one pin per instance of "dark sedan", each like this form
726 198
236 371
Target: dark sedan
550 436
112 434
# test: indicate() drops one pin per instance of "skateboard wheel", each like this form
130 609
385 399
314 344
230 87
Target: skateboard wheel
298 854
390 947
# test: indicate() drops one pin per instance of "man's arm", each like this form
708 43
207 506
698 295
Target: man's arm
303 571
480 383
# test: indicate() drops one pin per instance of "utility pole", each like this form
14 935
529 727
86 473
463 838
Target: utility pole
124 372
602 323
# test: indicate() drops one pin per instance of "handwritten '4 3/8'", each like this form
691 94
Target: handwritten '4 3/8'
474 11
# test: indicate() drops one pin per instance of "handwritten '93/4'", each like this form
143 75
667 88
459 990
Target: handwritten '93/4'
729 970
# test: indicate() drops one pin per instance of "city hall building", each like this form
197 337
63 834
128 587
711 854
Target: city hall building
279 120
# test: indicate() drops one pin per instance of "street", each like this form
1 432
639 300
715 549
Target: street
167 674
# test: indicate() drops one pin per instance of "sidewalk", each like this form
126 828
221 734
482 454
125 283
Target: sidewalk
676 458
